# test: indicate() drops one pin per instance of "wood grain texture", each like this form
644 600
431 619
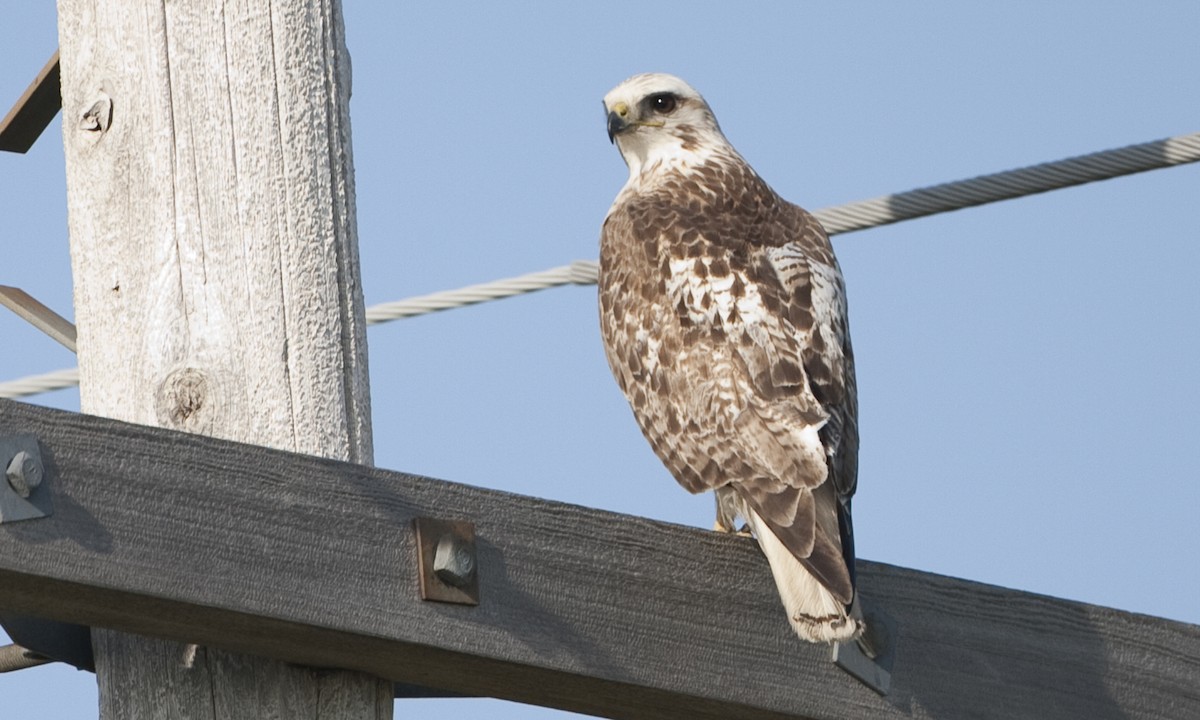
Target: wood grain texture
214 252
213 244
313 561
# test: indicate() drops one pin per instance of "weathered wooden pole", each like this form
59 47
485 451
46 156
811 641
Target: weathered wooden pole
213 243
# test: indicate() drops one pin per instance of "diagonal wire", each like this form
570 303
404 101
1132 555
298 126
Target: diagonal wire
38 384
580 272
839 219
14 657
1010 184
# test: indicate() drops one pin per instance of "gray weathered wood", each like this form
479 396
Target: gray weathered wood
312 561
211 213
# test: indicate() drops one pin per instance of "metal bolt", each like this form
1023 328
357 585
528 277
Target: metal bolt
24 473
453 562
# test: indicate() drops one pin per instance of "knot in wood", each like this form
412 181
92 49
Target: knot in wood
98 117
186 399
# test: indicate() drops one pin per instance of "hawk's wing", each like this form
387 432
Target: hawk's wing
799 363
729 339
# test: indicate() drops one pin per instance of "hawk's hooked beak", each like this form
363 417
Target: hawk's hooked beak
618 120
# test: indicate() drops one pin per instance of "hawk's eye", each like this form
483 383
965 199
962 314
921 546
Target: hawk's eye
663 103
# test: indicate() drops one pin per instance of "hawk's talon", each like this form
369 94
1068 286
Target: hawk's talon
743 531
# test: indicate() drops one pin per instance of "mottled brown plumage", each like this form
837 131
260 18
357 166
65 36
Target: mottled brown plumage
724 322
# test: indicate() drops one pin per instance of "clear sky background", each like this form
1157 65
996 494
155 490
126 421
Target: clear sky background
1028 384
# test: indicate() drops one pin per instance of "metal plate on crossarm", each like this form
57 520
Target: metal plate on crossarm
870 658
446 562
28 480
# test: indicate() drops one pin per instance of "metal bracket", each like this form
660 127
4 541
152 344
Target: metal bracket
446 562
871 657
23 492
59 641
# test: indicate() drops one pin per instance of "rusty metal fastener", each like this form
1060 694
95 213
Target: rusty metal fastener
24 473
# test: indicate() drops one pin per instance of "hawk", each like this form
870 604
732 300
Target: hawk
723 314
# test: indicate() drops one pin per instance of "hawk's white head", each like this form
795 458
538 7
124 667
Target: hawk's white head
659 121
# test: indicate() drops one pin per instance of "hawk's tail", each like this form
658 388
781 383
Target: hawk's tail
814 612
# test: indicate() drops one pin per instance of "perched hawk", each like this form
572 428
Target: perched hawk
724 321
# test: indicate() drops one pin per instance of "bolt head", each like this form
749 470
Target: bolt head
453 562
24 473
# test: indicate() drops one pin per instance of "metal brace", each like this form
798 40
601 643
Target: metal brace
446 561
23 491
41 317
871 657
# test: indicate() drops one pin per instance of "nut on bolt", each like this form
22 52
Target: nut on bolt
24 473
453 561
447 561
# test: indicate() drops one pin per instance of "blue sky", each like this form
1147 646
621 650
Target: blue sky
1027 370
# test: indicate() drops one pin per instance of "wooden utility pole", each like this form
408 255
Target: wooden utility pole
217 290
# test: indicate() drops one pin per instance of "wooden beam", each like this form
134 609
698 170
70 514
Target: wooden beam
33 111
312 561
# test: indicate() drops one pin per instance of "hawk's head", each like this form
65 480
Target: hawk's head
658 117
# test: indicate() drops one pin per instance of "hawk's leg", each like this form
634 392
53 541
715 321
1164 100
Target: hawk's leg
727 513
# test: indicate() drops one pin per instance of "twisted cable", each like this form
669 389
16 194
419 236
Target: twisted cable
839 219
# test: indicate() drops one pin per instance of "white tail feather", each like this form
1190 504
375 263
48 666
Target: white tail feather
815 614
